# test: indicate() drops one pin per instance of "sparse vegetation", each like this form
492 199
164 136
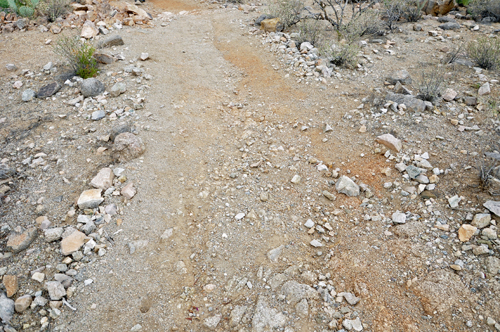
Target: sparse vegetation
485 52
454 54
309 31
341 54
54 8
485 8
288 11
78 54
487 170
394 10
429 85
412 10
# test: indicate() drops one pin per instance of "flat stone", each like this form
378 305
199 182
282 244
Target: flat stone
412 103
89 30
493 206
104 58
347 186
465 232
103 179
19 242
115 40
484 89
236 315
309 223
128 191
10 283
353 324
295 292
38 276
6 308
10 67
90 199
72 243
53 234
481 250
450 26
118 89
22 303
28 95
329 195
401 76
453 201
64 279
398 217
98 115
166 234
92 87
350 298
470 101
273 254
56 290
449 94
43 222
212 322
296 179
48 90
390 141
144 56
481 220
127 146
492 265
412 171
316 244
302 308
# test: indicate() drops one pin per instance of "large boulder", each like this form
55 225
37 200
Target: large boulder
412 103
437 7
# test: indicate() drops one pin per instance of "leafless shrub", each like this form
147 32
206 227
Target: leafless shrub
481 9
368 23
288 11
393 12
488 176
309 31
340 12
341 54
429 85
485 52
454 54
54 8
412 10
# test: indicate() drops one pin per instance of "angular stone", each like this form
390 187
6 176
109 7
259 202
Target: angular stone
103 179
90 199
89 30
401 76
350 298
449 94
115 40
329 195
470 101
465 232
347 186
129 191
72 243
10 67
266 318
28 95
166 234
316 244
492 265
493 206
398 217
38 276
118 89
481 250
48 90
104 58
453 201
56 290
6 308
390 141
412 103
295 292
353 324
127 146
296 179
92 87
302 308
481 220
484 89
413 172
20 242
271 25
236 315
98 115
273 254
489 233
10 284
53 234
22 303
212 322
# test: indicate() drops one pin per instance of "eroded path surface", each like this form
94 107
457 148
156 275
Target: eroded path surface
226 136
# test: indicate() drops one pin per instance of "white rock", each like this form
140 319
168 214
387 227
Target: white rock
309 223
390 141
296 179
398 217
103 179
90 199
484 89
315 243
239 216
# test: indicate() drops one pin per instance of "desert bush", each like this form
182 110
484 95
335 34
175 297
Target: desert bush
25 8
412 10
454 54
429 85
368 23
340 54
393 12
78 54
485 8
288 11
339 13
4 4
309 31
54 8
485 52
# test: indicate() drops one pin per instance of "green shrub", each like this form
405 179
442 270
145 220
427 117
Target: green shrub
78 54
4 4
341 54
485 52
288 11
25 8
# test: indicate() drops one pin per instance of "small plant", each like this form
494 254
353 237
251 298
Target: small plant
342 54
309 31
429 85
367 24
79 55
485 52
4 4
412 10
394 10
480 9
454 54
24 8
488 172
54 9
288 11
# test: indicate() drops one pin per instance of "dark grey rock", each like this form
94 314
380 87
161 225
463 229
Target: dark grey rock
6 171
411 102
48 90
450 26
115 131
115 40
92 87
470 101
20 23
401 76
444 19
